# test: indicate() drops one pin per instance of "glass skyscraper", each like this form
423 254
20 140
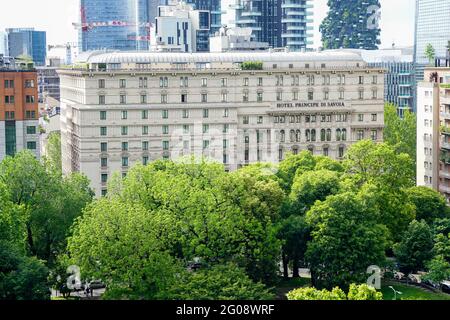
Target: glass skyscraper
27 41
116 24
432 27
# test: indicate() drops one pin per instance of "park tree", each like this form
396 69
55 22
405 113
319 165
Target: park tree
430 204
401 132
430 53
312 186
220 282
351 24
438 269
293 164
346 239
416 246
53 158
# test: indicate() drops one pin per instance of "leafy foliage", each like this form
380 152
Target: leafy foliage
314 294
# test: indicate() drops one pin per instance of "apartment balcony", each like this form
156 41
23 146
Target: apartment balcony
445 145
295 28
444 189
444 174
251 14
445 115
405 84
405 96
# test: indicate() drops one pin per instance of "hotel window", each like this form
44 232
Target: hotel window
31 145
226 128
29 83
101 99
225 158
102 115
186 129
122 83
361 80
205 144
361 94
245 120
360 135
224 97
226 113
328 134
374 79
29 99
360 117
295 95
104 192
279 80
101 83
103 131
144 114
124 146
374 117
104 147
124 161
326 95
165 145
204 82
163 82
145 160
279 96
344 135
341 79
205 113
295 80
104 162
145 145
204 97
282 136
123 99
124 115
326 80
144 130
245 96
341 152
206 128
374 135
143 98
259 97
322 135
184 82
225 143
31 129
224 82
298 119
260 81
247 139
325 152
260 119
313 118
165 114
341 94
143 82
246 82
185 113
124 130
374 94
184 98
310 80
310 95
165 129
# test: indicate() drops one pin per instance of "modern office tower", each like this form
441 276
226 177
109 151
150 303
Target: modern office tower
433 129
124 108
180 28
432 27
116 24
280 23
27 41
400 84
48 83
18 108
4 43
215 9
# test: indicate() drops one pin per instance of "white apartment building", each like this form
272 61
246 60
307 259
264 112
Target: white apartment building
126 107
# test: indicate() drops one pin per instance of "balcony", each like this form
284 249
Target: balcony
445 145
444 189
444 174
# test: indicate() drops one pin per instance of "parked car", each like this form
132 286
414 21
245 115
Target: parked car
445 286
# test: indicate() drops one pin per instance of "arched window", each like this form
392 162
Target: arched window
322 135
297 136
344 135
313 135
328 134
338 134
295 150
308 135
282 136
292 135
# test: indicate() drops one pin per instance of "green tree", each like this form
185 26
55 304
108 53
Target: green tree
220 282
314 294
401 132
288 168
53 159
351 24
438 269
363 292
430 204
416 246
430 53
312 186
346 239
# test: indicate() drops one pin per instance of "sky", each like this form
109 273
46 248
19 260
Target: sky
56 17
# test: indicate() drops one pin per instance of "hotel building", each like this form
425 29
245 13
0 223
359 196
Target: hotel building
237 108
